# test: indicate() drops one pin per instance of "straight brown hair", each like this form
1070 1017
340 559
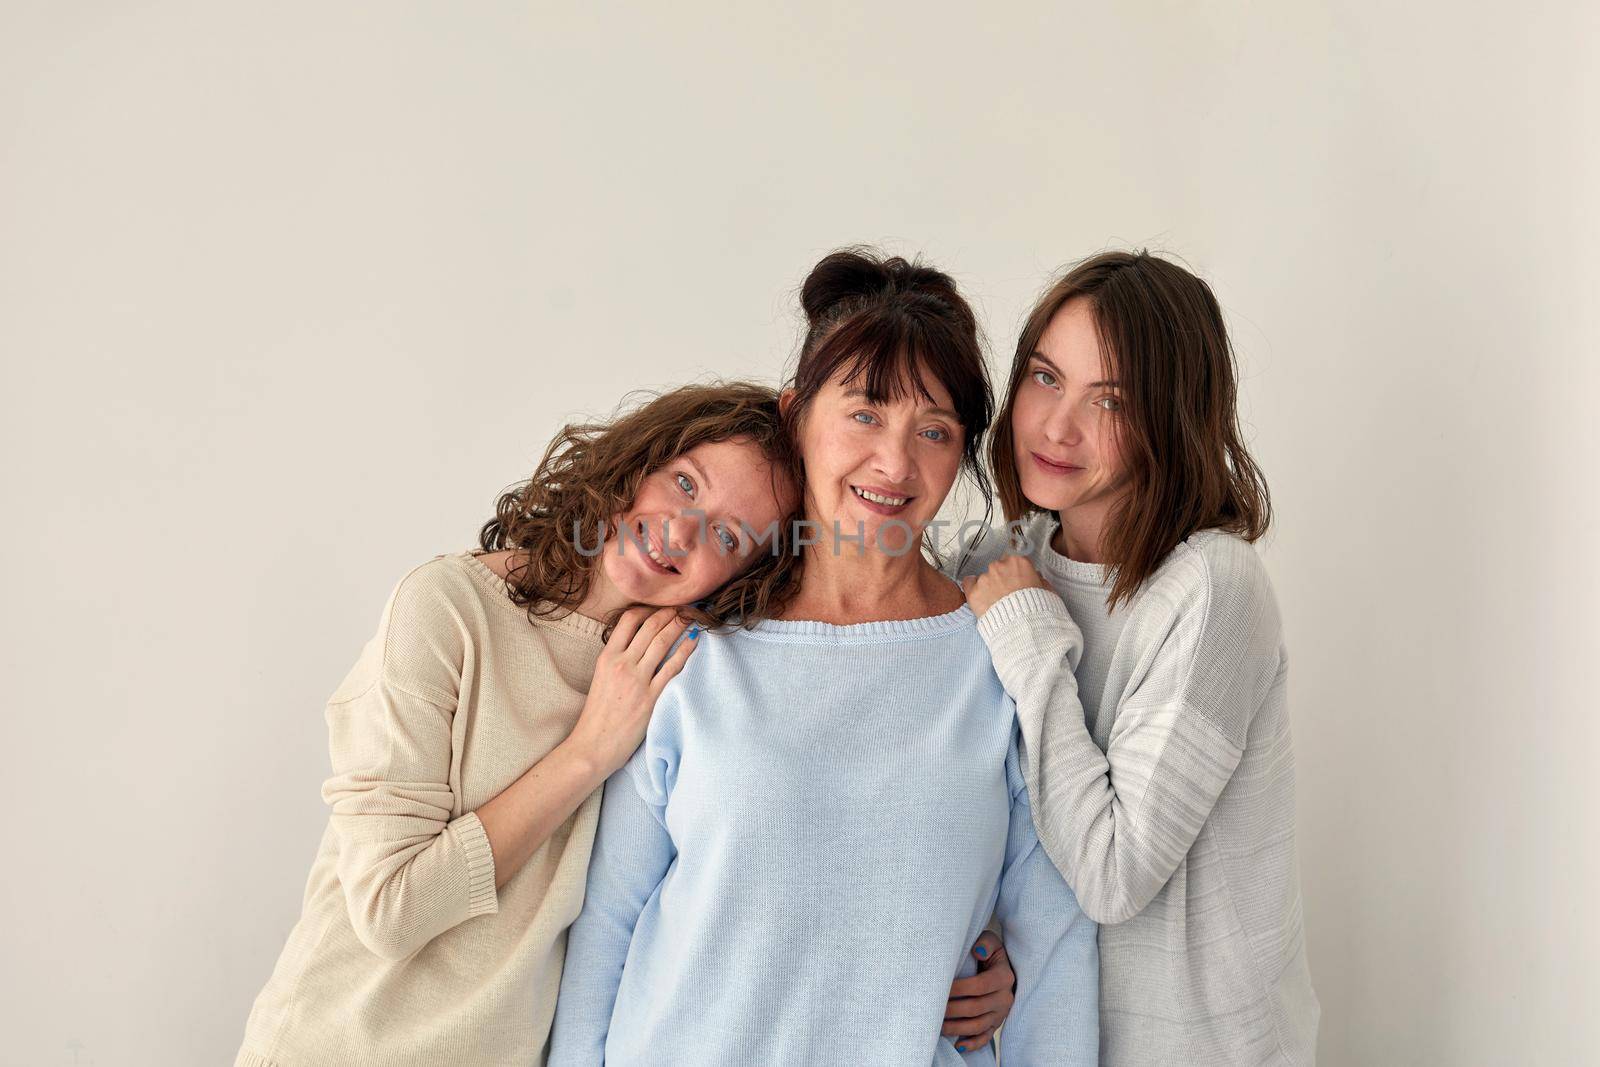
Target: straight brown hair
1187 468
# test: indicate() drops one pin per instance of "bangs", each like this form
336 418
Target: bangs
890 356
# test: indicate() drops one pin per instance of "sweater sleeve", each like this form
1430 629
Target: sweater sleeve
409 871
1052 945
632 853
1117 823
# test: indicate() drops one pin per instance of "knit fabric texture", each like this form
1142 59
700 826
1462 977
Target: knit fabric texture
404 952
794 866
1156 749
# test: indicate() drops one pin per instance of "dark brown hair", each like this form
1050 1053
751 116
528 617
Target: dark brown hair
592 471
889 322
1187 467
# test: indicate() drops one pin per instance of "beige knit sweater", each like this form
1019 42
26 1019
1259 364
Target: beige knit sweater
404 953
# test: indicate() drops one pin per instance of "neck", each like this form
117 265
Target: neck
603 598
1080 533
872 586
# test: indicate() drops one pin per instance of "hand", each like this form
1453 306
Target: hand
1005 575
978 1005
627 683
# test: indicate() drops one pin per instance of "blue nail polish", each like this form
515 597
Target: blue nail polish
961 1048
694 630
983 953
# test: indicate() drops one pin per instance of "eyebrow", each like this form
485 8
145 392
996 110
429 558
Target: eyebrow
698 470
1107 384
946 412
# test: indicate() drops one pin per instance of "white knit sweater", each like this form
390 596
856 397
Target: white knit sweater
1157 755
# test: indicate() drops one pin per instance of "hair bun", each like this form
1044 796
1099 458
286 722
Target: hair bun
852 276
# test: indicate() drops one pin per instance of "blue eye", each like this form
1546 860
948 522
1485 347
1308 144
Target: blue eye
864 415
684 482
1040 375
729 542
940 435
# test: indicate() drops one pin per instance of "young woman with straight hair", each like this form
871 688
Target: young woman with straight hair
1139 635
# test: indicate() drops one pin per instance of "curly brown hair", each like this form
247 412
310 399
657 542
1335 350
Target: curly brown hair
592 471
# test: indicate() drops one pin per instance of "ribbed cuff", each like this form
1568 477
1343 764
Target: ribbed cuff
481 896
1019 605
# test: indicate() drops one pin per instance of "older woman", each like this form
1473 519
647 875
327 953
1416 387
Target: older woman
828 805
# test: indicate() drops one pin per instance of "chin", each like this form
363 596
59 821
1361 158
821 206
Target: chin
1046 497
625 576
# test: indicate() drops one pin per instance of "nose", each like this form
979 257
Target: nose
1061 426
680 531
893 459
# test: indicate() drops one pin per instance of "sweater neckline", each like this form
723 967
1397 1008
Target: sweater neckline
1065 566
846 633
582 625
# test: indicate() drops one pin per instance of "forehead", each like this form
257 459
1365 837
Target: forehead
737 471
1071 339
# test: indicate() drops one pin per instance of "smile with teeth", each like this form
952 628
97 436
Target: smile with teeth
654 553
878 498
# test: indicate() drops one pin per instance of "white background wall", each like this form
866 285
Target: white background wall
289 291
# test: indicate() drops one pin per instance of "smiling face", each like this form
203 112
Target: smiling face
698 518
872 463
1065 418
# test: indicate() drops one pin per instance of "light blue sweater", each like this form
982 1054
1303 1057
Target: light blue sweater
794 865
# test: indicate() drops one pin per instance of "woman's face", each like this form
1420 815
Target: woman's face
869 465
698 519
1065 416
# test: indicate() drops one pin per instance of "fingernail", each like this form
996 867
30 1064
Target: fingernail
983 953
694 630
961 1048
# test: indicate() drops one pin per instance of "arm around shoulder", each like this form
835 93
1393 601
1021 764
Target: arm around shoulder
1118 822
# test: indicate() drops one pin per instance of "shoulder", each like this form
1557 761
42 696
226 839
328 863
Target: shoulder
419 643
697 683
1216 578
440 582
975 550
1210 615
437 610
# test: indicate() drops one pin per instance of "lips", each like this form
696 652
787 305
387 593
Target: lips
1051 466
654 556
876 498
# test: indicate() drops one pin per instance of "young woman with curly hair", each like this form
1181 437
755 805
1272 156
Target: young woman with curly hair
470 740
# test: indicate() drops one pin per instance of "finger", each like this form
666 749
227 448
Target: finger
673 665
988 946
967 583
640 645
979 1041
973 1007
997 960
971 1032
662 644
627 625
981 984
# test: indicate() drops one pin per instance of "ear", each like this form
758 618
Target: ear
785 401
